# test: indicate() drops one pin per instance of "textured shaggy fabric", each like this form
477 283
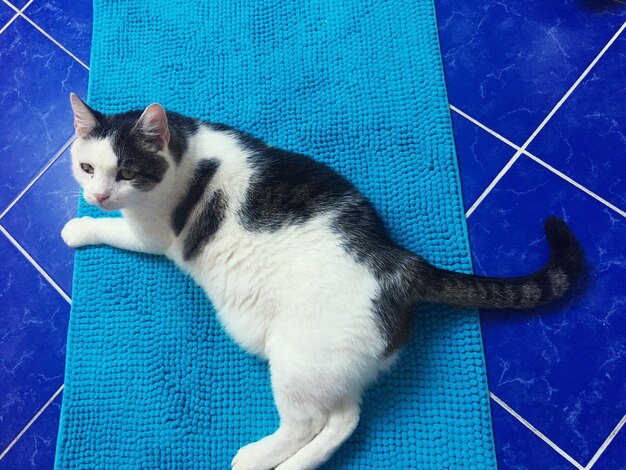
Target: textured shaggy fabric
152 381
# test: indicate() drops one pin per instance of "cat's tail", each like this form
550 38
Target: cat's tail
549 283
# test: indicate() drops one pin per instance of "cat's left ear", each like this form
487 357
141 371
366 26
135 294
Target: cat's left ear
85 118
152 128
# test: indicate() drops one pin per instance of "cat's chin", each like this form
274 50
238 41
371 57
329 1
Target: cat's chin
105 207
110 208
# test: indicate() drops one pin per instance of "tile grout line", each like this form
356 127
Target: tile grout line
17 14
8 23
38 175
606 443
483 127
493 183
506 167
41 30
575 183
541 162
574 86
535 431
36 265
30 423
544 122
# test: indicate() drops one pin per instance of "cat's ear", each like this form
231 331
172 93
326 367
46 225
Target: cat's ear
85 119
152 128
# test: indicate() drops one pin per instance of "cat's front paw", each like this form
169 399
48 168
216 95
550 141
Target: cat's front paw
248 458
79 232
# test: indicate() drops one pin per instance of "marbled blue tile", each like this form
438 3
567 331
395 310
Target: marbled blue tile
67 21
614 457
18 3
36 448
509 62
480 155
37 219
32 341
36 118
517 448
586 138
6 14
561 367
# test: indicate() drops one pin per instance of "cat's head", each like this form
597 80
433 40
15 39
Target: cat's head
119 159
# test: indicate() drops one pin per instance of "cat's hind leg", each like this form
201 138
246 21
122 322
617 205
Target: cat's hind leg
301 419
341 423
320 365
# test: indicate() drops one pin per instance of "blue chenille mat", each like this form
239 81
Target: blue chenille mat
152 381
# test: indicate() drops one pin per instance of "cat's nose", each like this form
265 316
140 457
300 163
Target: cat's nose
101 197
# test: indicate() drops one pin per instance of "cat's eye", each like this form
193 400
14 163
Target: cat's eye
87 168
126 174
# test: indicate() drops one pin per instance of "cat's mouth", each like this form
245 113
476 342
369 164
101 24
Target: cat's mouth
106 205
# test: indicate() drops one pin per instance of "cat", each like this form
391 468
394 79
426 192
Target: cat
296 261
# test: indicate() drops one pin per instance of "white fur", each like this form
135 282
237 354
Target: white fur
293 297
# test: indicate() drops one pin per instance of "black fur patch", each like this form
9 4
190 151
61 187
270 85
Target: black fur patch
149 167
133 154
289 189
205 225
181 129
202 175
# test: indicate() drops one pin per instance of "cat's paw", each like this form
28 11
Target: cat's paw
247 458
79 232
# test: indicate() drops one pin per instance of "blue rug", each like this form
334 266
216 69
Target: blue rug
152 381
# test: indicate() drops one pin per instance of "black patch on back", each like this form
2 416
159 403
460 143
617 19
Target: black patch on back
205 225
202 175
288 189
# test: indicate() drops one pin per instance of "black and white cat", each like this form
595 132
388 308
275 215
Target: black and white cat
296 261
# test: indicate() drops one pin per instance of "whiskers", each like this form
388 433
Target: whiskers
69 193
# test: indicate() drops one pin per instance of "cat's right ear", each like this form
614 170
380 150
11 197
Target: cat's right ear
85 119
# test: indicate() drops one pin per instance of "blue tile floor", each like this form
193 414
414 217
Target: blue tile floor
538 104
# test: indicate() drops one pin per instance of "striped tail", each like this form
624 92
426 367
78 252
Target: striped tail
548 284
